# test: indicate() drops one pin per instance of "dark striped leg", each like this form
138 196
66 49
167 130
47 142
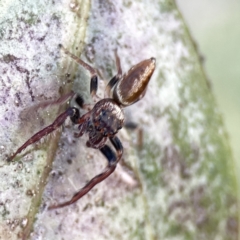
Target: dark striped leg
112 164
116 78
94 78
79 100
73 113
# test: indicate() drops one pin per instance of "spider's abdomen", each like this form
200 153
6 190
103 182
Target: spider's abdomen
107 117
132 86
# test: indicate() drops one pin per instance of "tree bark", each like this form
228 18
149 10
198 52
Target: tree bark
176 179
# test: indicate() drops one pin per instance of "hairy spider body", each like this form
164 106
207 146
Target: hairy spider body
105 118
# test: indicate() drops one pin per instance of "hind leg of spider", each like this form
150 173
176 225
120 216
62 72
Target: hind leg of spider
112 164
73 113
48 103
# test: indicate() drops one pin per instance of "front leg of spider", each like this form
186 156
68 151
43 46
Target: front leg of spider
112 159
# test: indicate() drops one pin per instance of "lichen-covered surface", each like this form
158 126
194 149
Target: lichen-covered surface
31 72
176 181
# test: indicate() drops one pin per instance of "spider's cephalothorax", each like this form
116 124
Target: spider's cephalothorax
105 118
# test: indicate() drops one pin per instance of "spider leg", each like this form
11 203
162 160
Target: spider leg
70 112
118 146
110 85
112 164
118 63
94 78
58 101
80 101
116 78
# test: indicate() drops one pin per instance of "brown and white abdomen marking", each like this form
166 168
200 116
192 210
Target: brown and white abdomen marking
107 117
132 87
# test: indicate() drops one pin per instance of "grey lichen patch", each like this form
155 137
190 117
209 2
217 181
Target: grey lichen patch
135 223
32 72
184 204
185 165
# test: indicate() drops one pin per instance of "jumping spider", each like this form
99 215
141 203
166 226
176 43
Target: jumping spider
105 118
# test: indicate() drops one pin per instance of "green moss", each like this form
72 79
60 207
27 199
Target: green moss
4 212
168 6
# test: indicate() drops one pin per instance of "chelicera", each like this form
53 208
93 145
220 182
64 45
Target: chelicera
105 118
